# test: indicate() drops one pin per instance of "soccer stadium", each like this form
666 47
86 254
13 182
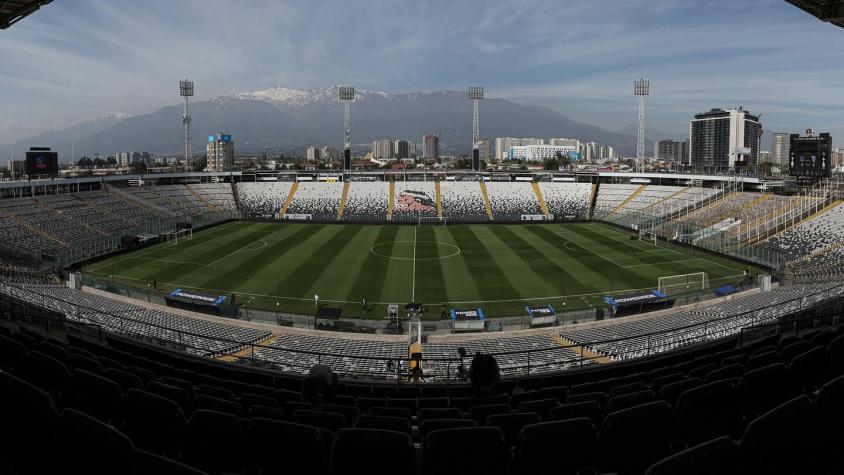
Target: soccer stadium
421 321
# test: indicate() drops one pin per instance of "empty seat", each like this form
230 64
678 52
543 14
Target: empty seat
91 446
542 407
11 352
627 388
305 447
512 424
624 401
153 422
351 413
124 379
372 451
809 368
430 425
794 349
707 411
557 447
214 442
390 412
203 401
764 359
481 412
783 440
670 392
28 414
398 424
470 450
589 409
636 437
764 388
730 371
717 456
600 398
326 420
148 463
268 412
439 413
94 395
44 371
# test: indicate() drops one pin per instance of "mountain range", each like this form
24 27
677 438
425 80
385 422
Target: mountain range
283 118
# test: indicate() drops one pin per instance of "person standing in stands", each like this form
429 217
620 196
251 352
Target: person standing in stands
319 385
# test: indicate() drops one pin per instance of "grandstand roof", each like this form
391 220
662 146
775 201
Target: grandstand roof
830 11
12 11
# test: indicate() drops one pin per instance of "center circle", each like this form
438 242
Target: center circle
423 248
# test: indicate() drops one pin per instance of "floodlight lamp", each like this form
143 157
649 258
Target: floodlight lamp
186 88
642 87
476 93
346 93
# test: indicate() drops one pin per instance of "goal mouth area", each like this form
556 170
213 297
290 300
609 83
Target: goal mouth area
683 283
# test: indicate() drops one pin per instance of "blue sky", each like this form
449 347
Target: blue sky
78 59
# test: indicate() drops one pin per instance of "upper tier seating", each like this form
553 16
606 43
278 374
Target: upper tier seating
415 199
567 200
510 200
813 235
463 201
610 197
367 201
263 199
320 200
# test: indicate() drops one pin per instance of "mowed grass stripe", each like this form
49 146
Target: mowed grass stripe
231 274
485 267
398 273
547 261
457 279
519 259
430 284
370 278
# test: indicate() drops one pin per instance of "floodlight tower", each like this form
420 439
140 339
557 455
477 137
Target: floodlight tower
186 91
476 94
641 88
347 95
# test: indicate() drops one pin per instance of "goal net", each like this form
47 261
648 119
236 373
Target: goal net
175 236
431 220
683 283
647 236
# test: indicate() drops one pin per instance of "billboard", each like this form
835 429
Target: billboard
809 157
41 161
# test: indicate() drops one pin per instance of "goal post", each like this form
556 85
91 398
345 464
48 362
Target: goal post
683 283
175 236
648 236
421 220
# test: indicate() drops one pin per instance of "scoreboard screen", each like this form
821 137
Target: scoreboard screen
42 161
809 157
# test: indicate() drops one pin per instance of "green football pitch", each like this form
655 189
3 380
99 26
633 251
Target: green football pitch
500 268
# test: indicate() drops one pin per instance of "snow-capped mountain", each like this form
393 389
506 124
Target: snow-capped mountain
284 118
283 96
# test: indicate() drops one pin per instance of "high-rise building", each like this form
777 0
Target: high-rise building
312 154
404 149
220 152
562 141
724 140
672 150
431 147
329 153
539 153
483 147
779 153
504 144
382 149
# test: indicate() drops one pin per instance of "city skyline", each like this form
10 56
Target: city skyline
70 63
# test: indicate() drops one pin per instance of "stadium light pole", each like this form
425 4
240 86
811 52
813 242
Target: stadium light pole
347 95
641 88
476 94
186 91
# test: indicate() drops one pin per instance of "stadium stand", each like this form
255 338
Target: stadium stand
812 236
414 200
320 200
149 410
567 200
262 200
510 200
611 196
463 201
367 201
